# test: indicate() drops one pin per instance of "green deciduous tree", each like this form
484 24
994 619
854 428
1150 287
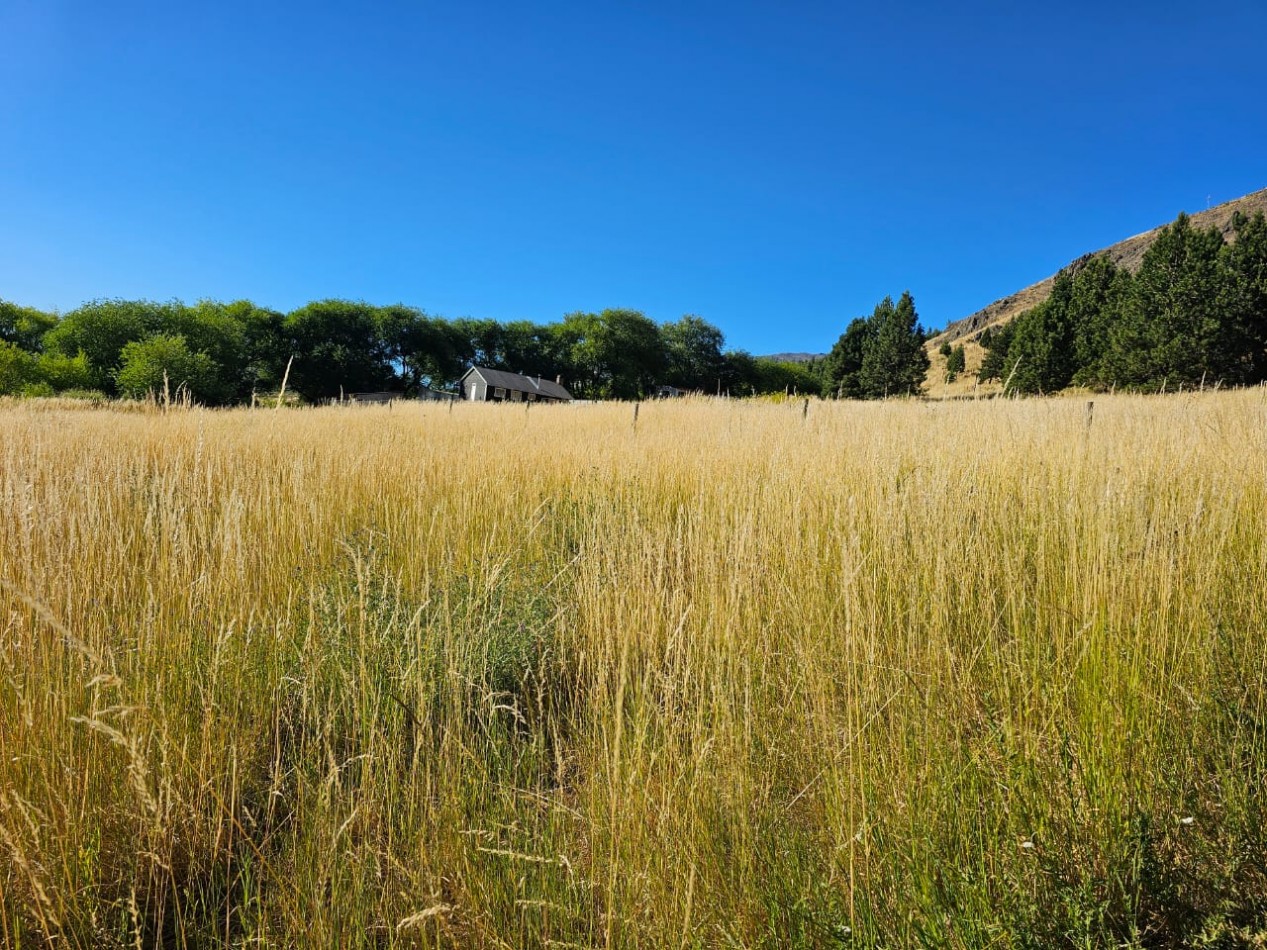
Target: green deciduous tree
164 363
63 372
18 368
526 349
481 342
24 327
694 353
740 374
424 351
268 347
778 376
216 329
337 349
631 353
576 338
100 330
616 354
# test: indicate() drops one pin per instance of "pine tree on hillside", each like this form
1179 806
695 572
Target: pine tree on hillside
1040 358
1195 311
894 362
996 341
1095 306
1246 262
1173 328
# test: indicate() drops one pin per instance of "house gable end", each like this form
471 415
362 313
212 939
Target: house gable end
517 382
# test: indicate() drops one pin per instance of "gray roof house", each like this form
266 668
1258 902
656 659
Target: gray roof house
481 384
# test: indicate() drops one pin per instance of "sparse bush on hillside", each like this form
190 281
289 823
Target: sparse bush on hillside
996 341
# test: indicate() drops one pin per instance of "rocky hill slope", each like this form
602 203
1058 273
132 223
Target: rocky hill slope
1126 253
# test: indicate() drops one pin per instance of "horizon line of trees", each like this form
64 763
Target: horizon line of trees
222 353
1193 314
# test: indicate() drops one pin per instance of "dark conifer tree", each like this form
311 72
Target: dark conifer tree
1173 313
1040 357
842 365
1099 288
1245 261
894 362
996 341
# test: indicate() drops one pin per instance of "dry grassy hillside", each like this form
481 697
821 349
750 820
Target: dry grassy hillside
965 385
886 674
1128 253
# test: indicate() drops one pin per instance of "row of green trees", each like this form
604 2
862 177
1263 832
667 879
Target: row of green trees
1194 313
221 353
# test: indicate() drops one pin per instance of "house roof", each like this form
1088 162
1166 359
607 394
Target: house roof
520 383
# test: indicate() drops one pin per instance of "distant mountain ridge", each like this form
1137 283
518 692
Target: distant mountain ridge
1128 253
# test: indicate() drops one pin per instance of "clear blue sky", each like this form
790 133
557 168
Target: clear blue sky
775 168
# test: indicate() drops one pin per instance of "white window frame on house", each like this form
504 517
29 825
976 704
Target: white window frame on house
516 396
499 392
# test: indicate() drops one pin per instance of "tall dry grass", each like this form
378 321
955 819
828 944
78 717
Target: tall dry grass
886 675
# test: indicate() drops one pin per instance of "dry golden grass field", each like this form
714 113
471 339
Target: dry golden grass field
897 674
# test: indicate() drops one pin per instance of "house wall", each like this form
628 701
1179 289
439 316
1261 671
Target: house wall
474 388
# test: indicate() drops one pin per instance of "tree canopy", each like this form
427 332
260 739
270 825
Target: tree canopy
1195 313
878 356
219 353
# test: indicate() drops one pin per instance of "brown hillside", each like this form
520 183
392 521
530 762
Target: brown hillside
1126 254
